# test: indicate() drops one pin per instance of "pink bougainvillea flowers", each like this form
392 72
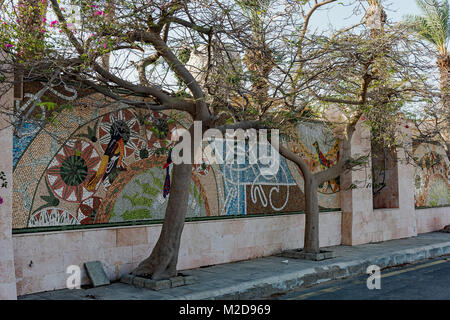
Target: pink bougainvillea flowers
1 200
54 23
99 13
8 45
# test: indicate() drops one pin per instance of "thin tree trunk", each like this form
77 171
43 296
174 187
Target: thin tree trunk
162 263
311 243
444 68
312 216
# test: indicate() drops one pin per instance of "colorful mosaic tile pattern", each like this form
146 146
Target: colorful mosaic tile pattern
102 164
432 176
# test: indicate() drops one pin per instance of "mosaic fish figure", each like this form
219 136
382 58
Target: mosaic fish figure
112 158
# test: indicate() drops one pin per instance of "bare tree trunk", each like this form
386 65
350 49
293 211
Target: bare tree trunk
311 243
312 216
444 68
162 263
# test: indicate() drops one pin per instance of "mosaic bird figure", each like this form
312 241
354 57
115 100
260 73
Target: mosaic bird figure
112 158
333 184
324 163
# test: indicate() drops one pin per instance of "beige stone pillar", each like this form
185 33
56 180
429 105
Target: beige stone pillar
356 192
407 223
7 272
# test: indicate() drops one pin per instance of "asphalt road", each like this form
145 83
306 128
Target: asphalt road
426 280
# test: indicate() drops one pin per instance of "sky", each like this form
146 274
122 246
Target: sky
341 15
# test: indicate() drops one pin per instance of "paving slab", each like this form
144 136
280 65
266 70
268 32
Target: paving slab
265 276
96 273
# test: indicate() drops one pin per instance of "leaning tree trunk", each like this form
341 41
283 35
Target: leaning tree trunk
312 216
444 68
162 263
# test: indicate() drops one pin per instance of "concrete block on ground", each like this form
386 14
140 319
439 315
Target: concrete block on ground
139 282
96 273
300 254
177 281
189 280
157 284
127 278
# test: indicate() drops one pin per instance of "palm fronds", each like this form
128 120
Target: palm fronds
433 25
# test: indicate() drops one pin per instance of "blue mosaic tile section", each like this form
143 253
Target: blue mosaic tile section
29 131
237 176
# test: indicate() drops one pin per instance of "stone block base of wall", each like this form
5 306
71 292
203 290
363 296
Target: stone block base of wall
432 219
41 259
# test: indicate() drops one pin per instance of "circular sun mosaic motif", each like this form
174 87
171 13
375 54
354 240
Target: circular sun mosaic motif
71 168
129 127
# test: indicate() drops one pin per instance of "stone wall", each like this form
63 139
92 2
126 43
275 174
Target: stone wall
44 195
7 279
41 259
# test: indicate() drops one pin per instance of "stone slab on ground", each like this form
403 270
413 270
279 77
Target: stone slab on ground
140 282
266 276
300 254
96 273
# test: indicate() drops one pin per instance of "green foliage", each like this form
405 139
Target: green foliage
434 24
184 55
193 190
157 181
138 200
136 214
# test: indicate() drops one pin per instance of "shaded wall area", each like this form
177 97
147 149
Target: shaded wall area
385 178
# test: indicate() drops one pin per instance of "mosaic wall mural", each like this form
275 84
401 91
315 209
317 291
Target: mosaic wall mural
432 176
101 163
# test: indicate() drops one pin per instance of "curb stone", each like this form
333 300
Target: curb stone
312 276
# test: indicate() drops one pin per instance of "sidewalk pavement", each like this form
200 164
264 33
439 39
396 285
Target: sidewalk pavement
266 276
